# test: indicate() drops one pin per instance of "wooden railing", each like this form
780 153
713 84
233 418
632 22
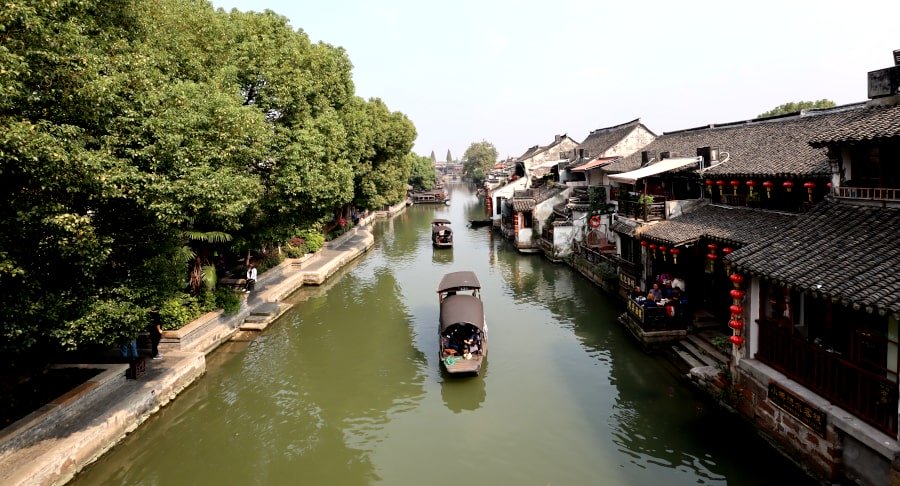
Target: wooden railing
634 210
871 397
871 193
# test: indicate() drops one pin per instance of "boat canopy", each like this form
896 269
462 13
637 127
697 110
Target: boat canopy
464 280
462 309
439 228
440 221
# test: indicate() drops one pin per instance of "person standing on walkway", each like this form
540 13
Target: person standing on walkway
155 337
251 279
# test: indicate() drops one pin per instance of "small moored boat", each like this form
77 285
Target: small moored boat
462 330
441 233
478 223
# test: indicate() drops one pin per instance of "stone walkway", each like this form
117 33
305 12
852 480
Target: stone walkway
54 443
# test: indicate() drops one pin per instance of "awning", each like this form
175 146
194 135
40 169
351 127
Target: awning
594 164
657 168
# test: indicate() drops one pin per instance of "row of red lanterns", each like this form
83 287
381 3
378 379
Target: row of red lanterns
737 310
767 184
662 248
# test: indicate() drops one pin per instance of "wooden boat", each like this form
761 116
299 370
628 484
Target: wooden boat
434 196
478 223
441 233
462 330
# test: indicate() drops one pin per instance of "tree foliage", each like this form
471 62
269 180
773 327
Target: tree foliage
479 158
140 138
422 175
793 107
449 158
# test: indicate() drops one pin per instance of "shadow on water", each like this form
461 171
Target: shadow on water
461 393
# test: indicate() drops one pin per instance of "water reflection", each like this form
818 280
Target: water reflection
442 256
464 393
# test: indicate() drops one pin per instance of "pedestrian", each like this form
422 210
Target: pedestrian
251 279
128 349
155 337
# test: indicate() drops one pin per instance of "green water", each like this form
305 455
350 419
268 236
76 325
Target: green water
345 389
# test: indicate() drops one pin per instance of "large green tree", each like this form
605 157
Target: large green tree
422 175
449 157
795 106
479 158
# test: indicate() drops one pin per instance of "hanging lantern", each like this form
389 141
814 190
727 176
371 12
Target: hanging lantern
751 184
674 252
727 250
644 243
737 279
736 310
711 256
662 249
809 188
737 340
734 185
709 184
737 294
788 185
828 186
712 247
768 185
736 324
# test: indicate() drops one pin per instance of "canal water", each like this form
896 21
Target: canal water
346 389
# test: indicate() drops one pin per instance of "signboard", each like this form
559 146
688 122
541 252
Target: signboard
884 82
795 406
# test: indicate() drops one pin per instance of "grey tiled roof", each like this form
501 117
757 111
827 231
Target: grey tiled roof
602 139
523 204
737 225
754 148
869 124
838 250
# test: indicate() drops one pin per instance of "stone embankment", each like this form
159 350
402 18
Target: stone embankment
51 445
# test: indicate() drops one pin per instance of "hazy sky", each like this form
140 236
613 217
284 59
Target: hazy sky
515 73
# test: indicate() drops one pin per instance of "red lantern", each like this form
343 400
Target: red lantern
809 188
727 250
736 340
662 248
751 184
737 279
711 256
768 185
709 182
644 243
720 182
737 294
828 186
734 184
712 246
652 247
736 310
674 252
788 185
736 324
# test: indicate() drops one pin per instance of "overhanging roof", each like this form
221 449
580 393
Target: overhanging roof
594 164
664 165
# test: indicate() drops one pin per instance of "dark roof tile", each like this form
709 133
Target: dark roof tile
870 124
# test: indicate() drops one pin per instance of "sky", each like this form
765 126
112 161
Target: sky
517 73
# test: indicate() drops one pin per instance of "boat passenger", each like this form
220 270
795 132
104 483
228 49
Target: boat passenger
651 300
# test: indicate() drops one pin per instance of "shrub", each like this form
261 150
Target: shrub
314 240
267 261
296 251
178 311
228 300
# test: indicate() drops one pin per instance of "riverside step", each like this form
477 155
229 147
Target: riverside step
708 347
267 309
696 352
690 360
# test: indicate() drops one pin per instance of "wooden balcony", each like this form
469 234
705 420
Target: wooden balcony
871 397
869 193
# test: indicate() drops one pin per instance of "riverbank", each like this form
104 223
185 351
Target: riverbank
54 443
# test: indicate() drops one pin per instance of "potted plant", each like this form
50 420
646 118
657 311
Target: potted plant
644 201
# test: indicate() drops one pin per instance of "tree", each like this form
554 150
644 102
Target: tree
794 107
422 176
433 158
479 158
449 157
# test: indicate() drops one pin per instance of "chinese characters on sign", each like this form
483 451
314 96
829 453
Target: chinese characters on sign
792 404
